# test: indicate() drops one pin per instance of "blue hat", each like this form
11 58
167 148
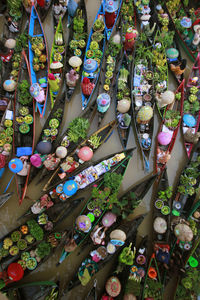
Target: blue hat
90 65
111 6
15 165
70 187
189 120
103 102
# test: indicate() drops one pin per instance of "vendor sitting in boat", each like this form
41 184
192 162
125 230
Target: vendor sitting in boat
111 7
59 9
5 52
178 69
130 38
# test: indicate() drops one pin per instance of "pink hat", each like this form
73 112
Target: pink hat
35 160
51 76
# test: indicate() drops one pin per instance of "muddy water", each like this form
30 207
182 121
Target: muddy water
11 211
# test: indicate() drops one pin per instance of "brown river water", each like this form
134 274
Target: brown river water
11 210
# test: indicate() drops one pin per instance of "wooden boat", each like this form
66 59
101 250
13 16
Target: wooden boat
162 215
57 62
32 290
94 141
36 35
112 10
189 276
123 87
84 121
93 59
120 271
107 80
11 244
181 250
80 234
50 243
160 69
75 50
88 175
136 273
129 201
175 62
48 133
184 27
6 135
161 209
142 87
130 229
128 20
169 128
187 185
191 108
152 282
23 127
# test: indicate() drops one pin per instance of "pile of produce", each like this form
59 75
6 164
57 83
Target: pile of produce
38 46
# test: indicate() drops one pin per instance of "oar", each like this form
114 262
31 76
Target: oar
15 165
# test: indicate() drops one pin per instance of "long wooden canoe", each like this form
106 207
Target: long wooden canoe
24 128
77 54
173 113
136 273
36 32
6 135
124 119
191 108
132 197
92 66
142 95
60 174
152 275
57 56
111 63
48 133
160 69
175 62
130 229
187 185
186 32
55 215
107 5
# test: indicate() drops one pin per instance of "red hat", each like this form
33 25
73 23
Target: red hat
86 80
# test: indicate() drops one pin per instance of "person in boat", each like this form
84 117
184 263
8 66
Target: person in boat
196 39
111 8
179 68
59 10
12 26
130 38
5 53
71 78
87 86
